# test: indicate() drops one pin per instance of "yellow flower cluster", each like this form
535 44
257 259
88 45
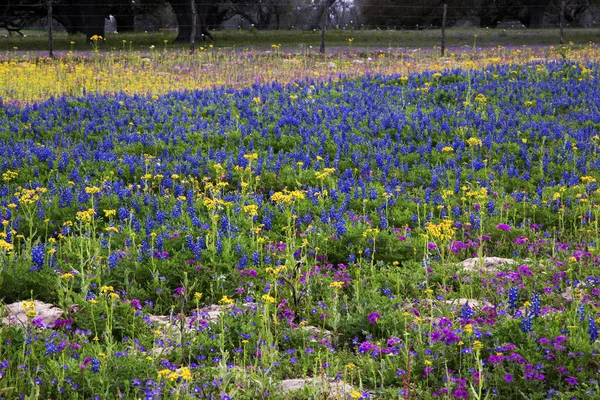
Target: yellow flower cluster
287 197
107 289
478 194
92 190
29 196
251 210
556 196
275 271
447 193
5 246
226 300
29 307
268 298
85 216
443 231
474 142
326 172
183 373
9 175
215 204
372 232
480 98
336 285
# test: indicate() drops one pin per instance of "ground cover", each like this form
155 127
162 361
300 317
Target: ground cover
36 40
239 243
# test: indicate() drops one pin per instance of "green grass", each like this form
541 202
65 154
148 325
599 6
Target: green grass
37 39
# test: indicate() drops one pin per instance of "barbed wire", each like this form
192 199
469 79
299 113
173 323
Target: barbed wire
376 10
316 6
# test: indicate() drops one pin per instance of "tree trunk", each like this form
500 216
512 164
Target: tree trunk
264 18
535 13
125 22
50 33
215 17
323 29
323 7
94 13
194 23
182 11
69 15
71 23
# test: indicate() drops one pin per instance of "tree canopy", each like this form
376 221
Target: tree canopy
87 16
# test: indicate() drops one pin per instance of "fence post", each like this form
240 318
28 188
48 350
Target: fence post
443 46
323 29
50 33
562 21
193 34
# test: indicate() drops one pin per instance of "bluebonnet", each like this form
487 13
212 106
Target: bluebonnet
513 298
592 329
38 257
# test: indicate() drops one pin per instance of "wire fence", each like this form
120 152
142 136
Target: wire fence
280 14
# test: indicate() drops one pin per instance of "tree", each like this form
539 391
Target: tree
14 15
576 12
259 13
345 13
534 16
319 13
418 13
207 11
413 13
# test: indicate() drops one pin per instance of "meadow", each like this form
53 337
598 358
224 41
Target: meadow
245 224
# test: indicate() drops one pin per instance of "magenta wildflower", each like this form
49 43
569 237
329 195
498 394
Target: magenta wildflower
562 370
503 227
460 394
521 240
571 380
524 270
373 317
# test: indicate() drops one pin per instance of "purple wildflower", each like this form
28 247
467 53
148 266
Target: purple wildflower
571 380
373 317
503 227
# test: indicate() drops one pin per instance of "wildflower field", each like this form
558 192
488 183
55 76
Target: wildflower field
372 224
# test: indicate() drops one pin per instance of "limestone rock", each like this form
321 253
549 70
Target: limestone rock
487 264
332 389
45 312
473 303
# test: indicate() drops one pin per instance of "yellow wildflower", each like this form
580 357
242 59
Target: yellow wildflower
226 300
268 298
106 289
